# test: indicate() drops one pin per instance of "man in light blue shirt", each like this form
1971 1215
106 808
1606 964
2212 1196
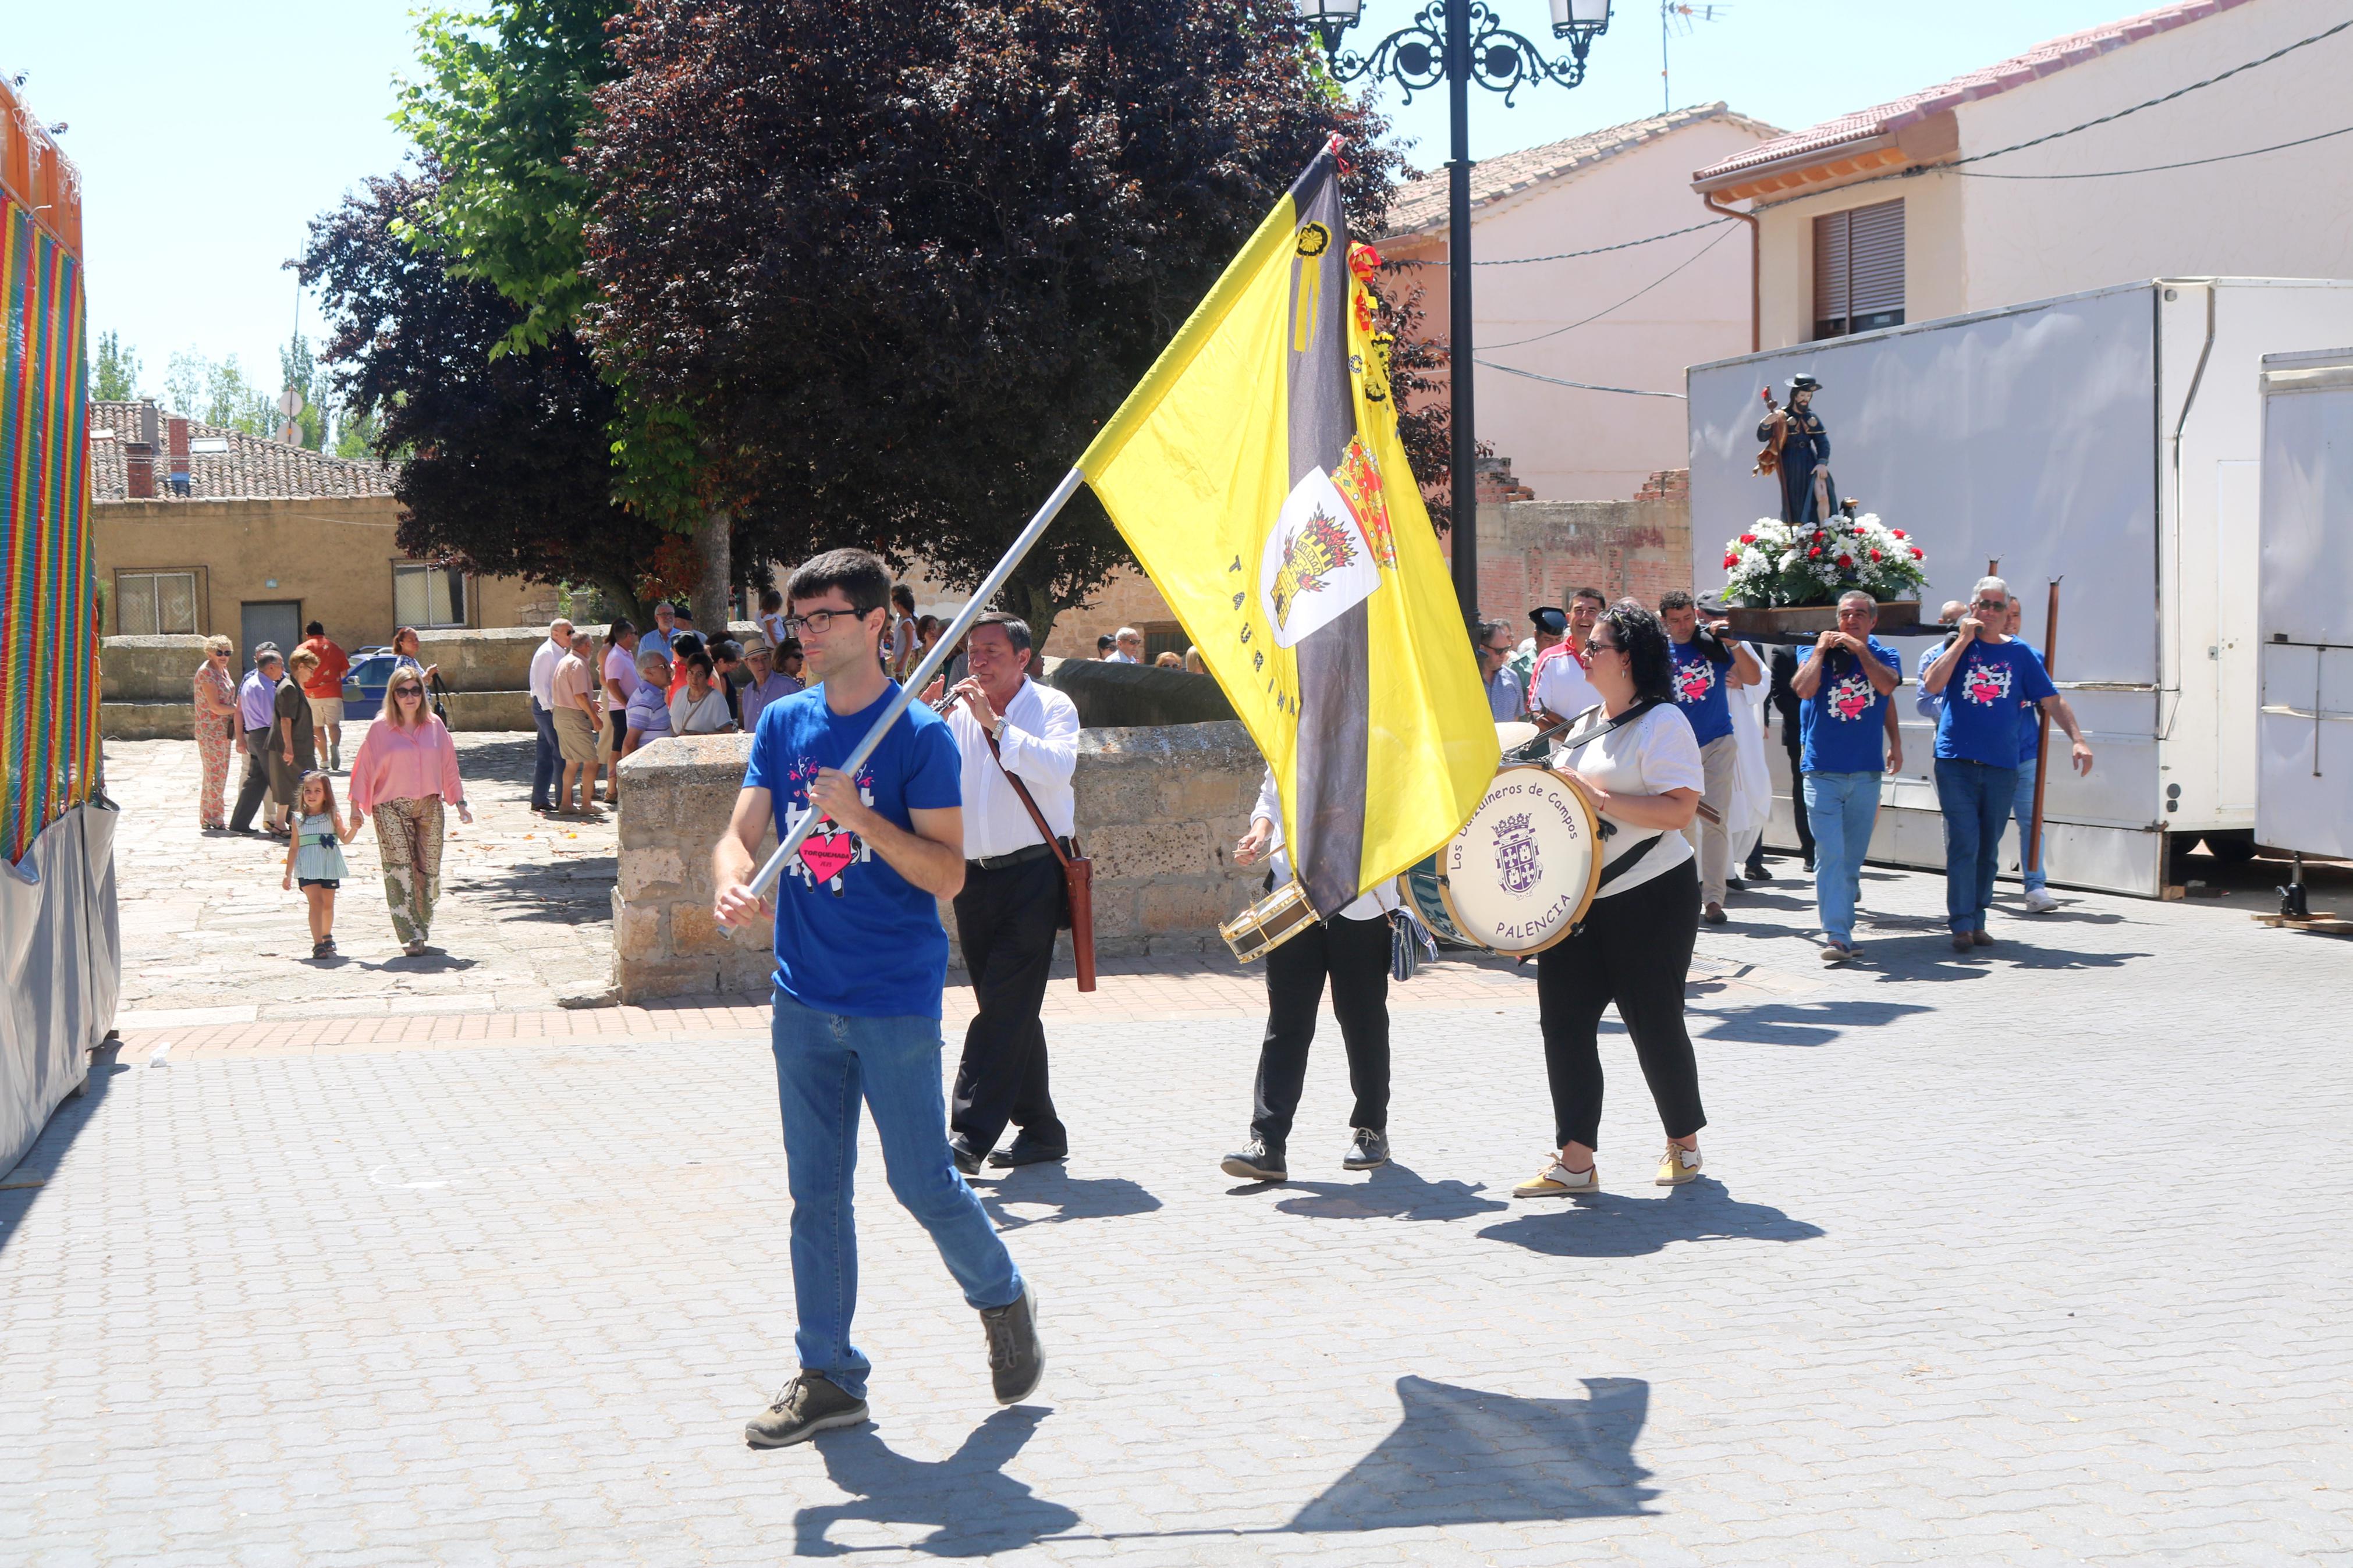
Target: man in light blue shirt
257 701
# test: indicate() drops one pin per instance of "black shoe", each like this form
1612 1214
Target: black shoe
1256 1163
1810 868
1015 1360
803 1408
1026 1151
1733 885
321 949
1756 872
960 1151
1369 1152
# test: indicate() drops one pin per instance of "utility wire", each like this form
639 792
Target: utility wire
1628 299
1599 249
1580 385
2152 103
2160 168
1955 166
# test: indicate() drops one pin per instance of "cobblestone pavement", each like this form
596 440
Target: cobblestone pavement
208 936
2033 1257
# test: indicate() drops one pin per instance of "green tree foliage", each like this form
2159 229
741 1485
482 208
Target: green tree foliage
115 377
218 392
496 114
899 273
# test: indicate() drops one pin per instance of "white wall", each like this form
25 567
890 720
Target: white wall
1974 243
1564 444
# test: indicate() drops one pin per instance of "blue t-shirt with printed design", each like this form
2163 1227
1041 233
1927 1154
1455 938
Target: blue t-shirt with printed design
1699 692
1845 720
853 937
1981 722
2030 718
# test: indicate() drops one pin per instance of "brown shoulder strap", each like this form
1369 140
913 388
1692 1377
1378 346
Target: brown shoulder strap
1022 790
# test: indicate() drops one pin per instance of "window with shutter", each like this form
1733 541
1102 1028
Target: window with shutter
1859 269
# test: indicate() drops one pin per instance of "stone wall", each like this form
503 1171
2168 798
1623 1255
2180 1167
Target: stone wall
1158 809
1534 552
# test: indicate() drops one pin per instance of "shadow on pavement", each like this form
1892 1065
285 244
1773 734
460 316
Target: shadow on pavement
1799 1022
562 890
1612 1225
1933 958
423 963
973 1507
1072 1197
48 1150
1391 1192
1464 1456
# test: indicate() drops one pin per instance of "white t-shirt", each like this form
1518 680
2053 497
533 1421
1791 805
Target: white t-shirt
708 717
1652 755
1562 686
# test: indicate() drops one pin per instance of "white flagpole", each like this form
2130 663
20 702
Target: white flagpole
933 661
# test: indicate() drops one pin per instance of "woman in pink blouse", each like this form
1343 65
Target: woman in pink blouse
406 768
216 703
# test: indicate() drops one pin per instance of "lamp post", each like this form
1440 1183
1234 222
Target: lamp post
1459 42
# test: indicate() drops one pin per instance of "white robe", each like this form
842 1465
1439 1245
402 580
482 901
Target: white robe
1752 781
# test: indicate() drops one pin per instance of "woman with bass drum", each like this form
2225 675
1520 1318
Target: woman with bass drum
1635 759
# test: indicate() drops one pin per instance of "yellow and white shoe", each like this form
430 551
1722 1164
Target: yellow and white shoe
1678 1165
1557 1181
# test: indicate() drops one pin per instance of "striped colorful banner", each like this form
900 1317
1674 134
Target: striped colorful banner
49 627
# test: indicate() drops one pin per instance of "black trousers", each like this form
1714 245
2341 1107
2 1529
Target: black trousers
1005 921
255 783
1356 955
1635 949
1792 743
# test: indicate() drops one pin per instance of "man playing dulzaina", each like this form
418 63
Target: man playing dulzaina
860 960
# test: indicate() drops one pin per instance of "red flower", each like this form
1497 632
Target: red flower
1916 553
1899 533
1846 562
1730 561
1816 550
1748 539
1876 555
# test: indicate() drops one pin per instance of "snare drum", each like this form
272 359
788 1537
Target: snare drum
1269 923
1520 873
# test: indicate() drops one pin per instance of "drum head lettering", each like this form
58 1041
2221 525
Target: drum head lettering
1519 875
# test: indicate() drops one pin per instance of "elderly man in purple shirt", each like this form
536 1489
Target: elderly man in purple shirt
256 705
766 684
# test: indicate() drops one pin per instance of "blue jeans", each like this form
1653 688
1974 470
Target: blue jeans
547 762
2024 811
825 1065
1975 799
1839 810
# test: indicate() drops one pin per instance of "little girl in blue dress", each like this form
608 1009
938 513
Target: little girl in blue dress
314 857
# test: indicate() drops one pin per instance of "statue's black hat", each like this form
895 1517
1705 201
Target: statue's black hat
1801 382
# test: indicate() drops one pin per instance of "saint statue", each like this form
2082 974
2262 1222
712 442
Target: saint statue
1798 453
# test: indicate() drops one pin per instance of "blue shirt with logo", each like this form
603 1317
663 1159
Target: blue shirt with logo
1845 722
1699 692
1980 721
853 937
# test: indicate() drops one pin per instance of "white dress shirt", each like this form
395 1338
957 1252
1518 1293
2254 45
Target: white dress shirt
543 672
1370 906
1563 686
1039 740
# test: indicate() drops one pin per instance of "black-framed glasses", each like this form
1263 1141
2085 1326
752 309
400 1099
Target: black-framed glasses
1595 644
821 621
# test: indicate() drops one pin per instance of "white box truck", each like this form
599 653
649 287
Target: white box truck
2111 439
2304 788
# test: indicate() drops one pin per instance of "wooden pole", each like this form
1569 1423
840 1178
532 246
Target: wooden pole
2029 856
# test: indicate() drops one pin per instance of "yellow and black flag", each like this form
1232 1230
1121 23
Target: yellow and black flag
1257 474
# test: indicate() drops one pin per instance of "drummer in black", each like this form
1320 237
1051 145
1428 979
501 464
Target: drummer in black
1351 948
1636 761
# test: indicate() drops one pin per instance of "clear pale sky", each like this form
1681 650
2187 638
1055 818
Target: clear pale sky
209 134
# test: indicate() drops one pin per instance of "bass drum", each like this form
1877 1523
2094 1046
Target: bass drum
1520 874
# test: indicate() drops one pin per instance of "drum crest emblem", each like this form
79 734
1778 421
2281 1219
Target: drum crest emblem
1517 860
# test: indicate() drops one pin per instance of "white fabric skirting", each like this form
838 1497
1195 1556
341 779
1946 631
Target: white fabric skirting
60 969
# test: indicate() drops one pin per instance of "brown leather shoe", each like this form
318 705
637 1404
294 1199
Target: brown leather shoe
1981 937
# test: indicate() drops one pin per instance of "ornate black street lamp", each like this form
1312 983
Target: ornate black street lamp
1459 42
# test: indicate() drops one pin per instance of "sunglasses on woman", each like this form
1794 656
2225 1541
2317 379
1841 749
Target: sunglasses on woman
408 691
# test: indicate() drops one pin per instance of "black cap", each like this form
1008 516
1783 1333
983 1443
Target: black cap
1550 619
1802 381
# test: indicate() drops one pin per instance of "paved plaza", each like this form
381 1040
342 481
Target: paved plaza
2037 1256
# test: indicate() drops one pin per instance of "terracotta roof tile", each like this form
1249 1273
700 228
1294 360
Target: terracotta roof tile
253 468
2040 61
1422 203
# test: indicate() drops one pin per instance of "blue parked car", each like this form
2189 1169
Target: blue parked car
363 684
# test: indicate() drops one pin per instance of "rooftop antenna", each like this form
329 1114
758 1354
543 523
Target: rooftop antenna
1677 16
